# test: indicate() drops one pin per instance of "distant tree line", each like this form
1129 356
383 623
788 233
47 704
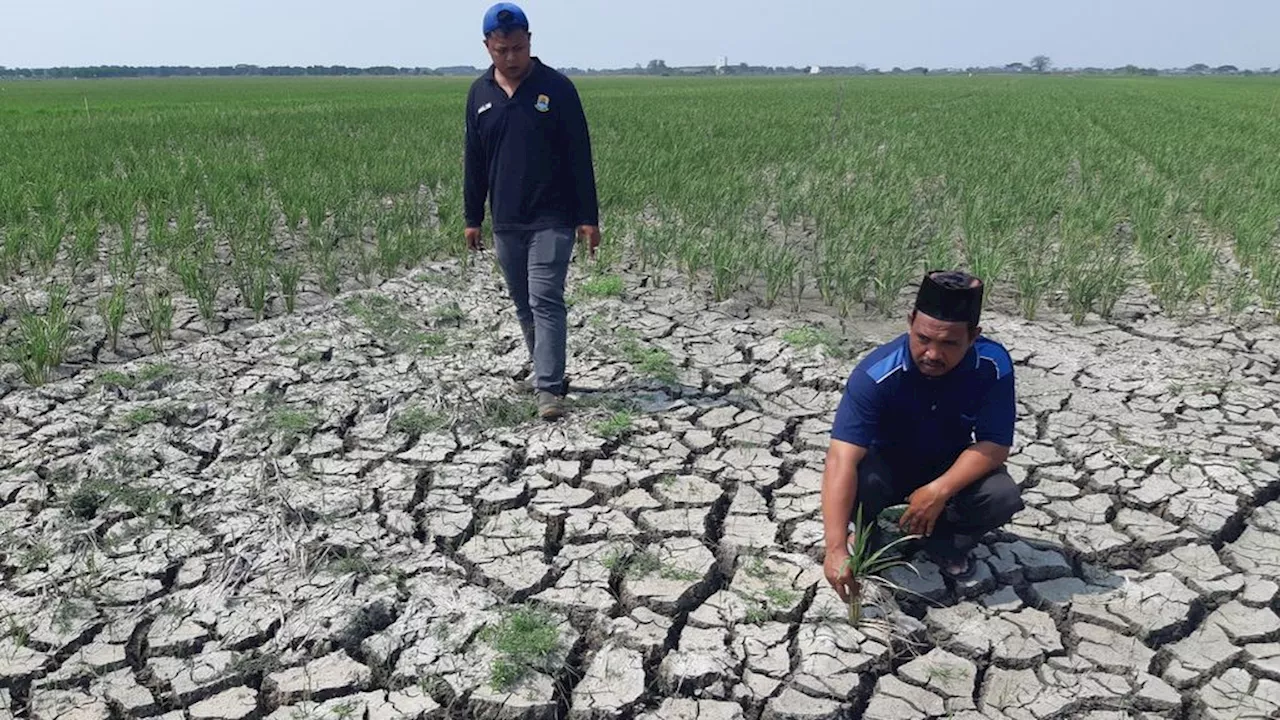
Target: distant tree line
129 71
1038 65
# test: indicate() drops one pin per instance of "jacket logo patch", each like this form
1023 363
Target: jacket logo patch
543 104
484 107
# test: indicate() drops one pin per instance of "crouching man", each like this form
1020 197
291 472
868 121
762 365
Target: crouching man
927 420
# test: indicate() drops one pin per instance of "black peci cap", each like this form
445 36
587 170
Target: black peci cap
950 296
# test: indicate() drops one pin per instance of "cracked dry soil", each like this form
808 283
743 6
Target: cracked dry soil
327 515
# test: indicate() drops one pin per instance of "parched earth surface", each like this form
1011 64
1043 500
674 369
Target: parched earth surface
347 513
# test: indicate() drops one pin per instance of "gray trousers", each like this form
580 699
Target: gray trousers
535 265
982 506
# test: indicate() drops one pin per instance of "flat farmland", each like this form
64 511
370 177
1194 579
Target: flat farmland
260 455
147 208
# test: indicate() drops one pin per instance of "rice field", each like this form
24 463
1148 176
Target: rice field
149 211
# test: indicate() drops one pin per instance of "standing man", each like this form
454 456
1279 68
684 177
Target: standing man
528 150
926 419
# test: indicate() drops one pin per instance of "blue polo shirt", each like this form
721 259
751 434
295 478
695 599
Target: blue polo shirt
921 424
529 154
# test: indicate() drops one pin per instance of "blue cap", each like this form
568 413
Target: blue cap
504 16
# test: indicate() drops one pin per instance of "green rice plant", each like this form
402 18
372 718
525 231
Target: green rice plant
678 172
894 266
854 275
316 214
656 244
419 245
48 243
780 265
1033 273
1093 266
1268 282
259 285
1253 231
1197 258
14 249
156 317
1110 263
865 565
940 249
1114 268
987 252
693 254
727 259
1081 284
389 244
185 234
608 253
159 239
200 280
366 263
43 339
1181 270
123 261
288 274
328 268
1235 292
822 266
112 309
84 253
799 282
827 262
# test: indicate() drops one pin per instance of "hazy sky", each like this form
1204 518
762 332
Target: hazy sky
600 33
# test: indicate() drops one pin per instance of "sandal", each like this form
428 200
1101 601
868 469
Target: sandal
970 567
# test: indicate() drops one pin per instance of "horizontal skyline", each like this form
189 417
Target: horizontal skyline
578 33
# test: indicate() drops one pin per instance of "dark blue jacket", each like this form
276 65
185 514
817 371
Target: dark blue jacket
921 424
530 154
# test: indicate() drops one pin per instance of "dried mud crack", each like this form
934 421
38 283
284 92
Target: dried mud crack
310 517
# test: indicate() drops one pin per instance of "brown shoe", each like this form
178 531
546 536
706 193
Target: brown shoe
550 406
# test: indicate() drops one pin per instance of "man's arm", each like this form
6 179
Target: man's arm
977 461
853 431
927 503
839 492
475 182
577 139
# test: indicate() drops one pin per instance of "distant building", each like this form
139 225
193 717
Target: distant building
815 70
722 62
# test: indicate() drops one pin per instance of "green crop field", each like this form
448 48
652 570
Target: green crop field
126 203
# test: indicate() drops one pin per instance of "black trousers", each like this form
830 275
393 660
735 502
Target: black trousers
986 504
